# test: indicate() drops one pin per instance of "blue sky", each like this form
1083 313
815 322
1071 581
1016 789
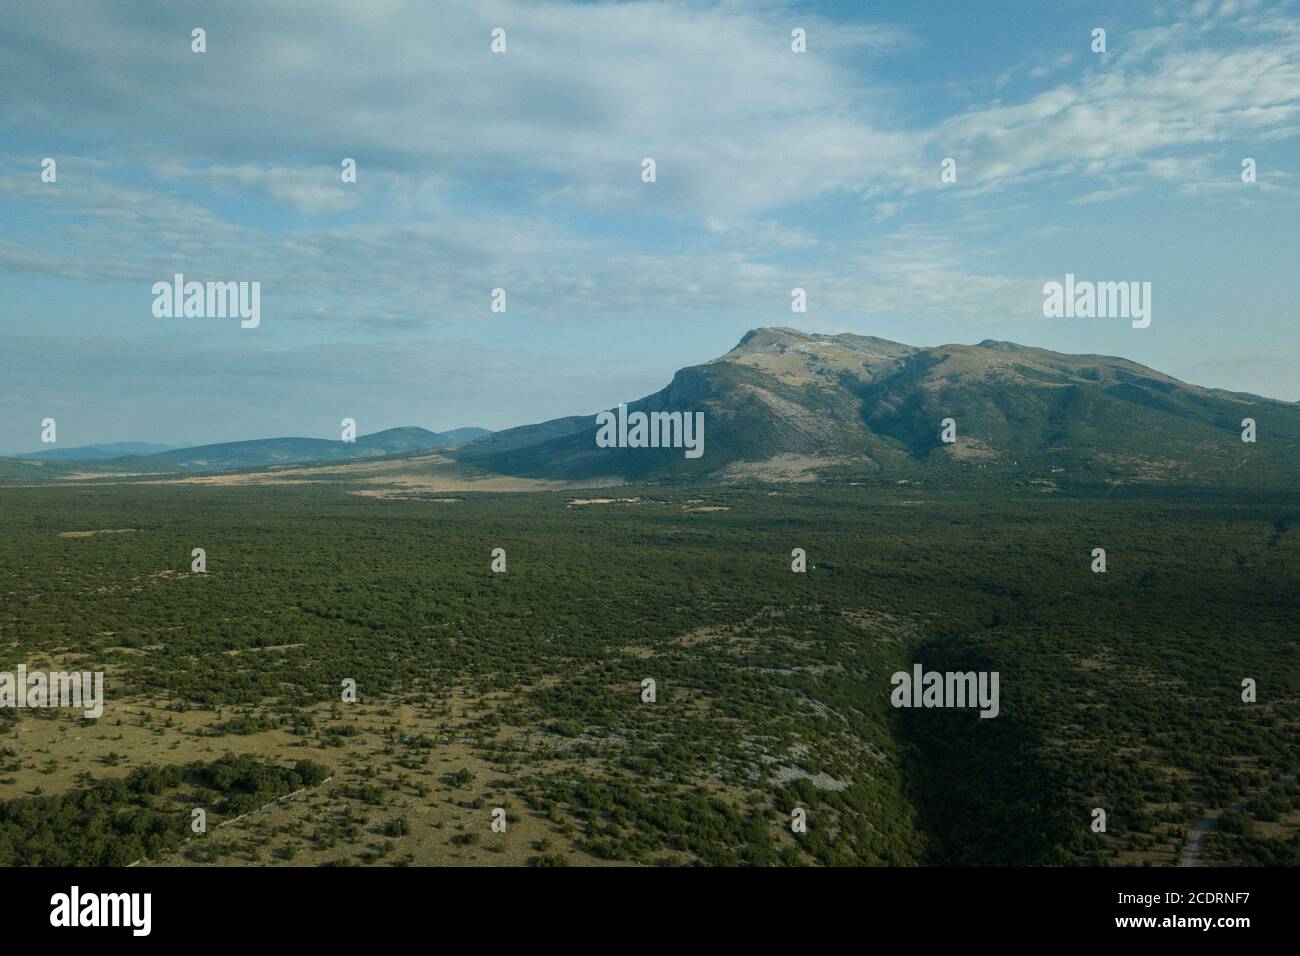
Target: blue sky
521 170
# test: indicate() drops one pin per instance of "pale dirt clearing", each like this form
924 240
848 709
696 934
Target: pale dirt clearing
87 534
396 765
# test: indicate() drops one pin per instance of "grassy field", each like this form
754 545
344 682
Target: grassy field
523 690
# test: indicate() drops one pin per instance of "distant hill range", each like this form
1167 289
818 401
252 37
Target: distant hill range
790 405
287 451
117 449
264 452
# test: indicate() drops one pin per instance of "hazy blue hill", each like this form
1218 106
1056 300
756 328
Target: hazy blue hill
23 469
461 436
117 449
285 451
228 456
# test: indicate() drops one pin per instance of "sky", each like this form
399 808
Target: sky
522 170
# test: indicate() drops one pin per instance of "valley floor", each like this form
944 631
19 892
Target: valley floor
524 689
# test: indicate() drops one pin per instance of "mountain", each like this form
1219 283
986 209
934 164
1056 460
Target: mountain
258 453
785 405
791 405
287 451
461 436
117 449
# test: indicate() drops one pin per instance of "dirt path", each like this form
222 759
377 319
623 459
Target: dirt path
248 813
1209 823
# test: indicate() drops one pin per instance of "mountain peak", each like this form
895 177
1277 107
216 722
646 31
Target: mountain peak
769 336
766 336
800 358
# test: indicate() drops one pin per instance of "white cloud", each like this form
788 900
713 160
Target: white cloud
1167 89
737 121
